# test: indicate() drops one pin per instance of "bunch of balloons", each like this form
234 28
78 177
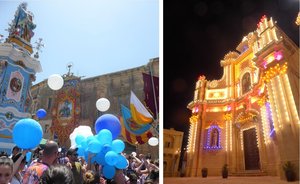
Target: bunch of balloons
104 145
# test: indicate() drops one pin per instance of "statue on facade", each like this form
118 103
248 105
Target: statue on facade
214 138
22 25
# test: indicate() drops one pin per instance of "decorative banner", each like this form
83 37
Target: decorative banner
151 90
66 112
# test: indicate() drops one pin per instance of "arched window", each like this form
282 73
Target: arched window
246 83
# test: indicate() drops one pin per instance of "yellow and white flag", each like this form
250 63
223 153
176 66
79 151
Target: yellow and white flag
138 111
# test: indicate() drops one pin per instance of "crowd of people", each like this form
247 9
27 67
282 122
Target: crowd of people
50 165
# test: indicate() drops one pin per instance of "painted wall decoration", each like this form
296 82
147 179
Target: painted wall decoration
15 85
65 109
246 83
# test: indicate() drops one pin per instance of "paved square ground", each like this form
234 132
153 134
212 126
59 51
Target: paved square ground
229 180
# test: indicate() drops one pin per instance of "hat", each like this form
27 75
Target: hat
71 151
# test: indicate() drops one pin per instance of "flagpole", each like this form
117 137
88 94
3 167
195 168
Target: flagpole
153 89
155 104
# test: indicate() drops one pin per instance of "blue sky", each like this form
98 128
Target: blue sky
96 36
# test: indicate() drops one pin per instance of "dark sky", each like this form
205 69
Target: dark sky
196 36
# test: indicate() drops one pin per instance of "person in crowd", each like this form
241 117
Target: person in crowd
3 153
75 166
91 177
57 174
14 151
19 164
34 172
6 169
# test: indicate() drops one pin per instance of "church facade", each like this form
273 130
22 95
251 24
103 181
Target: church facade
248 119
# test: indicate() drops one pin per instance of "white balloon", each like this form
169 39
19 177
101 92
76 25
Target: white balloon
55 81
102 104
153 141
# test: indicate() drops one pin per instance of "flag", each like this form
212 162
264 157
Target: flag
131 126
138 111
151 90
132 132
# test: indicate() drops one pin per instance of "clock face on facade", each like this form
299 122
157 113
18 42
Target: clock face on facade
15 84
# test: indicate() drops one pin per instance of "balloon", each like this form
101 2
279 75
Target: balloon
27 133
117 145
104 136
109 171
55 81
106 148
85 131
111 158
94 146
80 150
41 113
79 139
28 157
90 138
102 104
100 158
153 141
110 122
122 162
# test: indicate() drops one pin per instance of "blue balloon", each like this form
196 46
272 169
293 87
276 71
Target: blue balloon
27 133
104 136
84 144
94 146
28 157
100 158
79 138
111 158
109 122
106 148
80 150
90 138
117 145
109 171
122 162
41 113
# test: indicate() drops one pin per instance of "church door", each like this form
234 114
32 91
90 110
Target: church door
251 151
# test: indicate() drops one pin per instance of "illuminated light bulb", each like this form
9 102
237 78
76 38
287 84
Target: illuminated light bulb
278 56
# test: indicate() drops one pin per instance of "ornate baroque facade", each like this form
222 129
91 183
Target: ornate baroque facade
248 119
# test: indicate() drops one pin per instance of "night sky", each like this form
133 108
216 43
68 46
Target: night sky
197 35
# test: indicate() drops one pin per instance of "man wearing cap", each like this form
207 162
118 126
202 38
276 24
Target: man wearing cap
75 166
34 172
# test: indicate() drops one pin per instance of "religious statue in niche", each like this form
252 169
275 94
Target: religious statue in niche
246 83
214 138
65 109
